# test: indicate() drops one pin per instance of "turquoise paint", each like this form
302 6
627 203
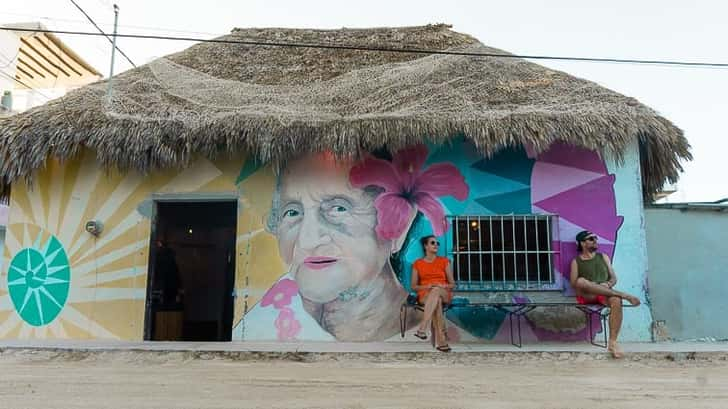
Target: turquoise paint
687 274
630 254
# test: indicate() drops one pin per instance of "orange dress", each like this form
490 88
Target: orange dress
430 273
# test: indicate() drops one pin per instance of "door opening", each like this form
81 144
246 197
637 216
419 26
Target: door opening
191 272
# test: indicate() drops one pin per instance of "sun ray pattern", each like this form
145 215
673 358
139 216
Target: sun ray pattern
59 281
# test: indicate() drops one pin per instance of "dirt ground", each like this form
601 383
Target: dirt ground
47 379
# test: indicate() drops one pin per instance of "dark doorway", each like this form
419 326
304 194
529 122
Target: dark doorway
191 272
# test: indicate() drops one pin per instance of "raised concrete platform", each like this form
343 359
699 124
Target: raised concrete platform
355 347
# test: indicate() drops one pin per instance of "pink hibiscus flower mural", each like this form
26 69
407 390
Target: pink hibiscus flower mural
408 187
280 294
287 325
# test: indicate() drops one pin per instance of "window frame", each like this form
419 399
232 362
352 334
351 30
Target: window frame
556 282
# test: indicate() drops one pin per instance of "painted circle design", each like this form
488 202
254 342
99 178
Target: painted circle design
39 281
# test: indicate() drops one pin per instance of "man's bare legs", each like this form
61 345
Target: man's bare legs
588 288
615 324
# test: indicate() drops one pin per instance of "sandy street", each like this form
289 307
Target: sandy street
42 379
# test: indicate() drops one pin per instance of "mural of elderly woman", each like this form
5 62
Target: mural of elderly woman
337 224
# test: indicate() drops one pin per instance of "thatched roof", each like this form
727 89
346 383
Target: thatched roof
278 102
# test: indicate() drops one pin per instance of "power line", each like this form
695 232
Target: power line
102 32
9 60
25 85
148 28
394 50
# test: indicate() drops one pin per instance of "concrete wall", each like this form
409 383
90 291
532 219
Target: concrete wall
688 272
324 249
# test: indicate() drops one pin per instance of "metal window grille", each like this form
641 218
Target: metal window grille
497 252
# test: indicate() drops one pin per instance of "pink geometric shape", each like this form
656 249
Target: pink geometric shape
591 205
503 336
563 154
566 229
549 179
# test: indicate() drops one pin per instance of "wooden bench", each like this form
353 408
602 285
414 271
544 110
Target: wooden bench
517 309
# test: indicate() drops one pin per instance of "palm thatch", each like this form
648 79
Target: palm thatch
279 102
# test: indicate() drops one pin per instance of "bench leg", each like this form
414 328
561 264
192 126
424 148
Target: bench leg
510 322
589 313
402 320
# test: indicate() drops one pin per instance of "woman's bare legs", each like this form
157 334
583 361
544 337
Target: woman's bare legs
434 316
433 302
438 326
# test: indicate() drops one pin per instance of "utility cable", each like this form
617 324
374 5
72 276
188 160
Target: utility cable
394 50
102 32
25 85
84 22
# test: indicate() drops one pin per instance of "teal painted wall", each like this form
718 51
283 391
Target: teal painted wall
630 253
688 266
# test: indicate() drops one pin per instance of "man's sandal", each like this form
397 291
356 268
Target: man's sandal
444 348
421 335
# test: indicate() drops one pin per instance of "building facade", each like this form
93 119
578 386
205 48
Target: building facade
232 192
315 235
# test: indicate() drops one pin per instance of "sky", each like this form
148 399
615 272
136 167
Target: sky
694 99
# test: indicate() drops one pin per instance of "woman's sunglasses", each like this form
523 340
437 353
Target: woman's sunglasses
434 243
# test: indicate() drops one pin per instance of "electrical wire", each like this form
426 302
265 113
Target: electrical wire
394 50
35 89
84 22
102 32
9 60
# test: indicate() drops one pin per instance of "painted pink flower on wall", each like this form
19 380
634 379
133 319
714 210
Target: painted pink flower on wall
280 294
287 325
407 187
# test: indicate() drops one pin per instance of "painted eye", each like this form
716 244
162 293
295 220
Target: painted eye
339 209
291 213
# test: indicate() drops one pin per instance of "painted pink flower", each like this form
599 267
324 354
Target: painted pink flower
287 325
280 294
406 187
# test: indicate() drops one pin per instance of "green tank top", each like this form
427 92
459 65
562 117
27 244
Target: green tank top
594 270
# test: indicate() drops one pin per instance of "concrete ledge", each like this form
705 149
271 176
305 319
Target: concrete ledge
466 354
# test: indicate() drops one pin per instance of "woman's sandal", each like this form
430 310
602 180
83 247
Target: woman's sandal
444 348
421 335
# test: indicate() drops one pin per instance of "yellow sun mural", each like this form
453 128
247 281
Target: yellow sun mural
59 281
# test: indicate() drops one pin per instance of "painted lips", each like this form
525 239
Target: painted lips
319 263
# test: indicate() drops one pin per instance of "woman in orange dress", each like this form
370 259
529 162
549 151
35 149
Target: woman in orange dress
433 280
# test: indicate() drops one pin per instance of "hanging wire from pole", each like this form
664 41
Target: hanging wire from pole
113 42
113 54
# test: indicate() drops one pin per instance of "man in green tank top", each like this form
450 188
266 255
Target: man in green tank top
593 279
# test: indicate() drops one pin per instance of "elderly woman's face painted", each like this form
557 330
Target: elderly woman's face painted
326 229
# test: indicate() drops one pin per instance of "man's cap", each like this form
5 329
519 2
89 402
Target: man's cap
584 234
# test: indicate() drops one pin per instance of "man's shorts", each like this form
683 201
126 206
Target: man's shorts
598 299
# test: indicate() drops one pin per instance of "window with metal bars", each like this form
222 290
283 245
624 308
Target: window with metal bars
503 252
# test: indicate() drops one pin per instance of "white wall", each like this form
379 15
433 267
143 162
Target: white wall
9 46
